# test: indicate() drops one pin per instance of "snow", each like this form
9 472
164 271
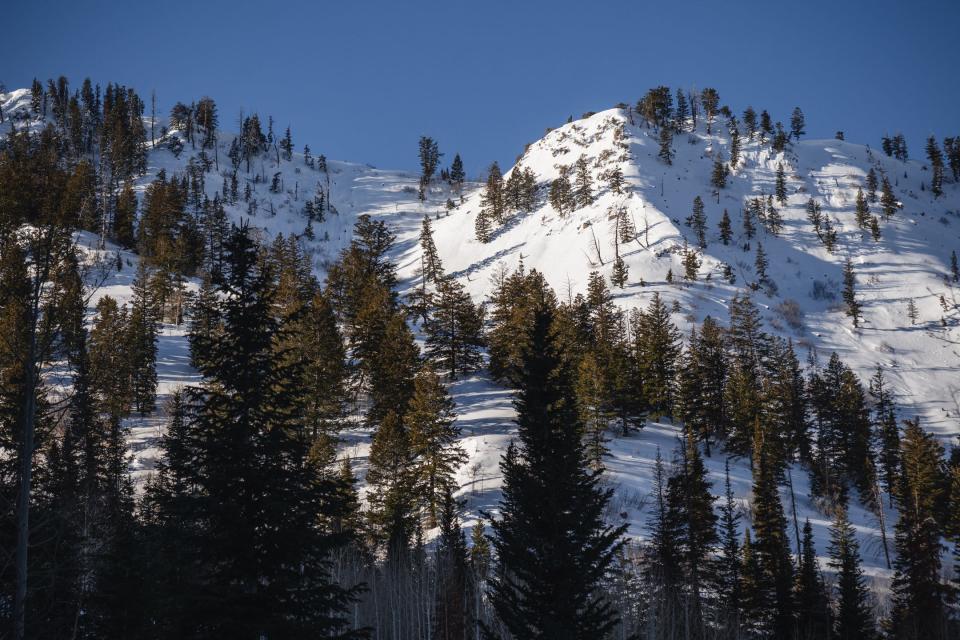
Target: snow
911 261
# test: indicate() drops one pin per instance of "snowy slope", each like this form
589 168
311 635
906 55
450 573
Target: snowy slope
921 361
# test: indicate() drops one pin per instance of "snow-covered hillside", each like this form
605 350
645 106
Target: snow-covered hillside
910 261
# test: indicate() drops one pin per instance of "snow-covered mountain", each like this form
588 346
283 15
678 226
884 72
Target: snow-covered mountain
911 261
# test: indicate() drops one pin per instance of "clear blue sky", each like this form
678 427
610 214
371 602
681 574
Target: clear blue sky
362 80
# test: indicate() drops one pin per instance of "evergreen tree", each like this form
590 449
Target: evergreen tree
797 123
862 210
772 548
726 229
698 221
691 263
781 187
750 119
429 161
760 264
718 176
888 202
615 180
850 293
457 175
552 546
455 330
854 618
666 152
936 167
392 494
918 595
561 195
594 405
734 143
810 593
727 574
872 185
431 424
886 432
452 619
257 566
954 268
583 184
656 347
492 202
142 343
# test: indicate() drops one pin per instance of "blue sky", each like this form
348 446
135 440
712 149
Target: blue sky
362 81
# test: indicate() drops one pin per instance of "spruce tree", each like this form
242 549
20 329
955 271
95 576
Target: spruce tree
862 210
872 185
431 425
850 293
727 572
698 221
492 202
797 123
772 548
656 347
810 593
888 201
726 229
392 493
718 176
451 616
918 595
854 617
454 330
666 152
142 343
781 185
583 184
552 546
760 264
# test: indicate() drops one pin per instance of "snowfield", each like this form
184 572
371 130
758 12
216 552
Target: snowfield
912 261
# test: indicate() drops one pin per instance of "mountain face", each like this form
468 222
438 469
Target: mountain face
649 222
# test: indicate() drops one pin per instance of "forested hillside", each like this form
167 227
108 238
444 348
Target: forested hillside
678 372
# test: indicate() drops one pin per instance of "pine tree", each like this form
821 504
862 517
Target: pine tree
886 432
552 546
454 330
257 566
797 123
854 618
888 202
583 184
750 119
681 113
875 228
392 496
124 216
698 221
850 293
734 143
666 152
429 160
912 311
872 185
727 574
618 276
810 593
492 202
862 210
726 229
482 226
594 405
781 187
561 195
772 549
936 167
918 595
457 175
691 263
691 507
656 347
760 264
142 343
954 268
451 615
430 421
718 176
615 180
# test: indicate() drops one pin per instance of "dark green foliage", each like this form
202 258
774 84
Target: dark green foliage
797 123
810 593
854 309
854 617
552 546
726 229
